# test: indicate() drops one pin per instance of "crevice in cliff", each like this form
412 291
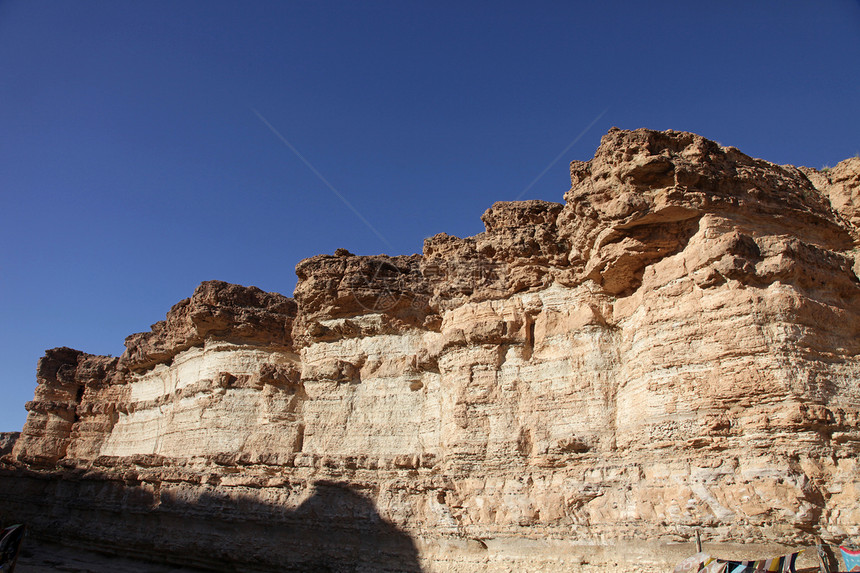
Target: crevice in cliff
529 343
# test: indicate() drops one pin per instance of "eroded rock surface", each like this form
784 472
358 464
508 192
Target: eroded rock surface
216 311
583 385
7 442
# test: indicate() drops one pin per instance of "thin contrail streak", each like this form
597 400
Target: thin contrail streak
560 155
321 178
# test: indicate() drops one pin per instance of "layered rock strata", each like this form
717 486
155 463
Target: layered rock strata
583 385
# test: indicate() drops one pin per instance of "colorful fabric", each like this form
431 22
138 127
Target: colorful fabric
851 558
704 563
784 563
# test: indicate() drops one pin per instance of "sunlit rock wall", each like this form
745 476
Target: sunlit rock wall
582 385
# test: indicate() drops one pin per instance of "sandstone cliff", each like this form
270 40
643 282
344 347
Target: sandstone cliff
675 347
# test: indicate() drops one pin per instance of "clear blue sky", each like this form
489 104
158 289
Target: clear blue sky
133 165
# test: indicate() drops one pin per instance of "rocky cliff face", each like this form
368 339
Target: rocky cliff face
7 442
582 385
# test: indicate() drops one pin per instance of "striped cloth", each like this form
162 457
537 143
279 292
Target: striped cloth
704 563
851 558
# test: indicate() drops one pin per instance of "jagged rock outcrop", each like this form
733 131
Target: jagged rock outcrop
75 395
580 386
217 311
7 442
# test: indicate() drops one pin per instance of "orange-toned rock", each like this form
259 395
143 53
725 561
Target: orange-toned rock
216 311
68 380
675 348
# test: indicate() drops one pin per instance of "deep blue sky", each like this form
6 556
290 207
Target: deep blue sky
133 166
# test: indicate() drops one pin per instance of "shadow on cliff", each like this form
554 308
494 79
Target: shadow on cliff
334 530
248 529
